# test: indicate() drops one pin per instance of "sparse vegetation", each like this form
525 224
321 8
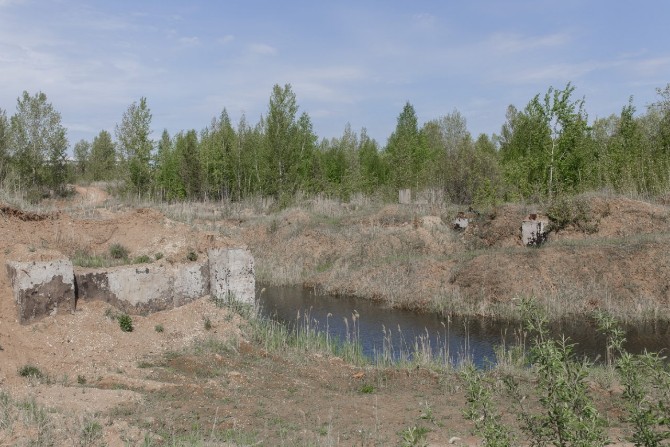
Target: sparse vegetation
192 256
125 322
142 259
159 328
118 251
31 371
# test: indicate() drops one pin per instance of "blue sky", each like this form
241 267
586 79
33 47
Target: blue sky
354 62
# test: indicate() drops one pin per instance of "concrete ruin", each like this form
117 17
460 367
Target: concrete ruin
144 288
461 222
534 230
43 288
231 274
405 196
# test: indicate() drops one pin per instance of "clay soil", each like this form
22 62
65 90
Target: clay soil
195 375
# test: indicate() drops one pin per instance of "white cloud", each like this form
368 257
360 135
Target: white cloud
225 40
514 43
189 41
262 48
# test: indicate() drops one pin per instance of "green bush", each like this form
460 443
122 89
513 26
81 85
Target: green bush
159 328
125 323
118 251
31 371
573 212
144 259
192 256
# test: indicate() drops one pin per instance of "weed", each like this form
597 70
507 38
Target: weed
481 411
158 256
367 389
31 371
81 380
569 415
207 323
414 437
159 328
91 433
143 259
125 322
118 251
192 256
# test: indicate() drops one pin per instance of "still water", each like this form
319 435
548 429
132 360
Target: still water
399 333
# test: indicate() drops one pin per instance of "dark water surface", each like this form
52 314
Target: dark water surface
398 332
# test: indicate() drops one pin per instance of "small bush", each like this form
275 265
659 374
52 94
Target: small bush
159 328
118 251
81 380
367 389
31 371
192 256
158 256
125 323
573 212
144 259
208 324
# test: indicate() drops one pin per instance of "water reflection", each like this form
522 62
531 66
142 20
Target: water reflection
398 333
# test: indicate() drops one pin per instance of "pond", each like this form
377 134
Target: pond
398 334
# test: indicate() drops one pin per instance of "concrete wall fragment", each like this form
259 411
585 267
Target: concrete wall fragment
231 273
42 288
405 196
534 229
145 288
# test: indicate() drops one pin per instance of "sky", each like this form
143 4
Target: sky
355 62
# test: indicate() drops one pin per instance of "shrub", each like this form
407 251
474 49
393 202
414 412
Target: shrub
565 212
192 256
208 324
144 259
30 371
125 323
118 251
159 328
367 389
158 256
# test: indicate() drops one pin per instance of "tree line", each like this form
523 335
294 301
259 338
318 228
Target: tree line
545 149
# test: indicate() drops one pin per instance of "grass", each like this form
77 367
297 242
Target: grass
86 259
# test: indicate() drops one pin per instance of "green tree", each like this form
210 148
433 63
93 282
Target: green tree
406 152
545 149
135 145
218 147
374 172
102 159
82 151
289 144
187 150
4 144
39 143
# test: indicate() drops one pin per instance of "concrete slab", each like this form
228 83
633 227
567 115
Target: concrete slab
42 288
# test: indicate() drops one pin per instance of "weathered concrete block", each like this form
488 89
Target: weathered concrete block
534 229
461 222
42 288
144 288
231 273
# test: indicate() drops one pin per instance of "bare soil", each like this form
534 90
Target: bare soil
175 378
